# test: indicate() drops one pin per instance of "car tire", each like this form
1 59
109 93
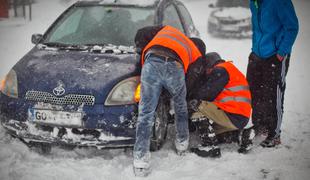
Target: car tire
160 127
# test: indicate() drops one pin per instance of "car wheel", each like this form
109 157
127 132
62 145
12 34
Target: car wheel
161 123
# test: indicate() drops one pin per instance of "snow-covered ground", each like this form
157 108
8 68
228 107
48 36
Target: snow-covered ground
290 161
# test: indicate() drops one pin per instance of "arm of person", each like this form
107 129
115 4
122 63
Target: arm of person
194 73
213 85
288 18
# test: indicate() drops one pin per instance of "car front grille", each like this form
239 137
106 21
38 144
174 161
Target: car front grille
70 99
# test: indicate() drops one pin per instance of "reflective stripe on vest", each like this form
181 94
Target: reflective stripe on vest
184 43
238 88
181 43
236 96
236 99
173 39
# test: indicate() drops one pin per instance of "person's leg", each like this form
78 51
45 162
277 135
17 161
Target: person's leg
209 143
212 112
222 125
175 84
150 92
275 87
254 76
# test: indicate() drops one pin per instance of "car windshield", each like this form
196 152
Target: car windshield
100 25
232 3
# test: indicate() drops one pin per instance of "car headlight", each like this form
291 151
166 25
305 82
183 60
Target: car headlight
9 85
123 93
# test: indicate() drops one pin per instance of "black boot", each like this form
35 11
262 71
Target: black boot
245 140
209 143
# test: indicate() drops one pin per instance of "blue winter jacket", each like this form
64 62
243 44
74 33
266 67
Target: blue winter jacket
275 27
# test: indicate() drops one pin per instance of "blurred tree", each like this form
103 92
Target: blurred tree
22 3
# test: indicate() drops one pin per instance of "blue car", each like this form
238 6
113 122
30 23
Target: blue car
76 86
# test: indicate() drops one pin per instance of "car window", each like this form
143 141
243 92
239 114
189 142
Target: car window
69 26
101 25
172 18
186 17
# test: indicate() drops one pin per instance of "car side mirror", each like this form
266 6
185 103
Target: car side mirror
36 38
211 5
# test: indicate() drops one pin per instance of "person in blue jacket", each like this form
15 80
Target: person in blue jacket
275 28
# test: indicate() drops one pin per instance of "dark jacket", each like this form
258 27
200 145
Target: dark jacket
275 27
209 86
195 70
144 36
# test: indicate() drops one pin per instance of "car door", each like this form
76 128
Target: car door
187 21
171 17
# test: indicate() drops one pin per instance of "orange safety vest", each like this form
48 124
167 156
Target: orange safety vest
175 40
236 96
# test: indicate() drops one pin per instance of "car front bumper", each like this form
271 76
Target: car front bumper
229 30
103 127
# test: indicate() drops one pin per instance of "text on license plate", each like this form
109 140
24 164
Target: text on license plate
59 118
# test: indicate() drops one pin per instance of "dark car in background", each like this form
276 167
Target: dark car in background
76 86
230 19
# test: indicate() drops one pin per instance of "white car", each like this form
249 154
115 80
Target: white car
230 19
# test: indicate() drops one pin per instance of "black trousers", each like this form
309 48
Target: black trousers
266 79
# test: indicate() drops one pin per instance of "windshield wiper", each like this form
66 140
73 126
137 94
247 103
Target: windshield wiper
56 44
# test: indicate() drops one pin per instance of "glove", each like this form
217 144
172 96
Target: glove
193 105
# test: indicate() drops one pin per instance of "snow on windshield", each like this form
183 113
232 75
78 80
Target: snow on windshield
100 25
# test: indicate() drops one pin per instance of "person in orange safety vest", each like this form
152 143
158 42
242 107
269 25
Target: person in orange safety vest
166 54
220 103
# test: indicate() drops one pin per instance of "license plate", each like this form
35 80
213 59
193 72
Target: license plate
57 118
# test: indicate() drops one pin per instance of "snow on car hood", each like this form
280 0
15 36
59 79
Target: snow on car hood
79 72
235 13
142 3
131 2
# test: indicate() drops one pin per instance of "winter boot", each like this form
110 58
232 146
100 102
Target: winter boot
141 167
181 147
271 141
209 143
246 137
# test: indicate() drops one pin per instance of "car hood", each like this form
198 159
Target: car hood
233 13
84 73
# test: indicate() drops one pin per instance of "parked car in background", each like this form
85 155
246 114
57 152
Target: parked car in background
76 86
230 19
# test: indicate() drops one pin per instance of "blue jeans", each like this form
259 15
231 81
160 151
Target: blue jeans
156 75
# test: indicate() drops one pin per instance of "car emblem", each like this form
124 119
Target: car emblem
59 90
